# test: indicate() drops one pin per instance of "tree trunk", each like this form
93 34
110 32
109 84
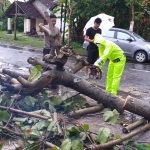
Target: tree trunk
15 20
66 79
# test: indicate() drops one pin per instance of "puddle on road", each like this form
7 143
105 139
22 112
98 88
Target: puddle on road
15 47
2 45
140 67
5 65
31 50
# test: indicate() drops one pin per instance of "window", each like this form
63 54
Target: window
110 34
124 36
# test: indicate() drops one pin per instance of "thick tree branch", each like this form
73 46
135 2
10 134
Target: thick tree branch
118 141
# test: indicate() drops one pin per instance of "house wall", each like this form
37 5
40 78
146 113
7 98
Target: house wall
25 27
37 25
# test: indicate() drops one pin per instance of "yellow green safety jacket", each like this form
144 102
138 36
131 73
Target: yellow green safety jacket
107 50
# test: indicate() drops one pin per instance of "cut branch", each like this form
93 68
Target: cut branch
118 141
25 113
13 132
14 74
134 125
57 124
86 111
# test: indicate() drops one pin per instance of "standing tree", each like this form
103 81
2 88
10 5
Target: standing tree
15 19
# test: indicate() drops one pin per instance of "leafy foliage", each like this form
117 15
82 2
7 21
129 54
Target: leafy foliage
4 116
103 135
35 73
111 116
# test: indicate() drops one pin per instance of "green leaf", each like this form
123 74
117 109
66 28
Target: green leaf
40 125
76 145
148 146
107 115
49 106
46 113
31 142
30 101
118 136
34 146
51 126
73 131
35 134
57 101
4 115
116 114
19 119
1 145
140 146
111 116
128 148
80 100
66 145
68 107
64 97
82 136
112 120
103 135
86 127
54 148
35 73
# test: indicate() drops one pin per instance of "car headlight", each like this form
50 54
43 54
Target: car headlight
148 45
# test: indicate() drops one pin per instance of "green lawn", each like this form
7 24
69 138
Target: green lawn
23 40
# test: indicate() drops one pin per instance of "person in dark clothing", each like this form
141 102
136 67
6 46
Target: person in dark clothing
92 50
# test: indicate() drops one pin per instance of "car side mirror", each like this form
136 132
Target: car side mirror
129 39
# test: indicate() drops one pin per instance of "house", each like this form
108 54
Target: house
32 12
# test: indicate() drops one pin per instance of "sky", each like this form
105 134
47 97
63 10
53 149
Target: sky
18 0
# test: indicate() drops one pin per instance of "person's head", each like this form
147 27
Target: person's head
53 19
97 23
99 40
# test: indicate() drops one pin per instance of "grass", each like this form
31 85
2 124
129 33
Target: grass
37 42
21 40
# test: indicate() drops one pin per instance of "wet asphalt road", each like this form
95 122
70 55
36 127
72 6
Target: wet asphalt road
135 78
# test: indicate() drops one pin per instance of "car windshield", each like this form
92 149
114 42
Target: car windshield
137 36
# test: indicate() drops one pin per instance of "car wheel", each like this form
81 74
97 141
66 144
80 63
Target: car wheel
140 56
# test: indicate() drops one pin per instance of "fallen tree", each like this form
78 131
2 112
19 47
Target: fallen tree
66 79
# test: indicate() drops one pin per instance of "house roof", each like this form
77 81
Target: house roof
25 9
48 3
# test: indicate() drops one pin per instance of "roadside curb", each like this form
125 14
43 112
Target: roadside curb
13 46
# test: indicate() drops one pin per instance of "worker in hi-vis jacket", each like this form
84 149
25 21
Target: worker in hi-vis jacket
115 55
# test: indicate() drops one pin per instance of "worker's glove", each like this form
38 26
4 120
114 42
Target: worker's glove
95 72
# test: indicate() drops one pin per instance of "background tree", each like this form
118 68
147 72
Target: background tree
4 20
